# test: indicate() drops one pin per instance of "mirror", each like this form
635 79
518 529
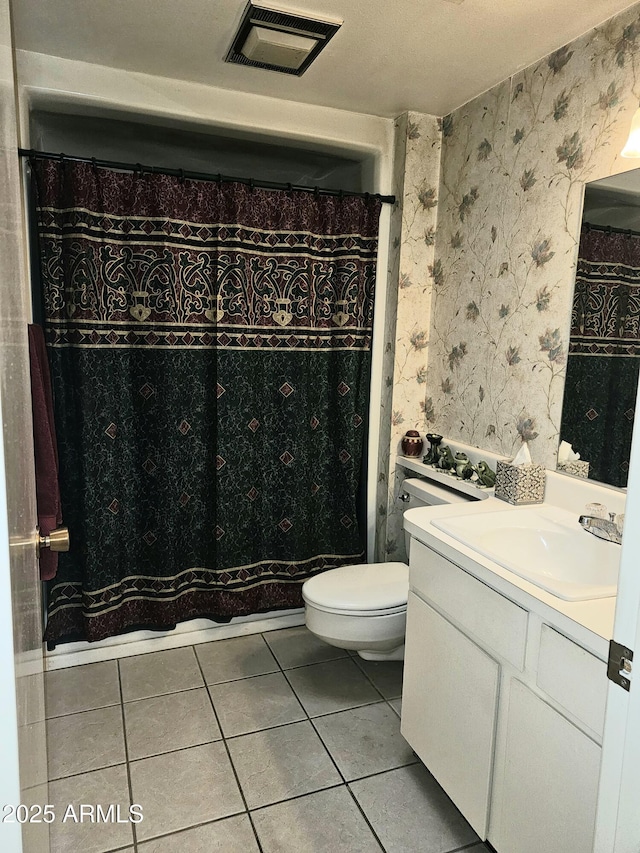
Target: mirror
604 346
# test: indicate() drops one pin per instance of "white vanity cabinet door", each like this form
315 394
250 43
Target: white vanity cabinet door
548 799
574 678
449 707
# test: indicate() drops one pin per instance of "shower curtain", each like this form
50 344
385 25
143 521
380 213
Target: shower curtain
209 347
604 350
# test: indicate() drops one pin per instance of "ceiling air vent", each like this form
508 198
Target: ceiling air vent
279 41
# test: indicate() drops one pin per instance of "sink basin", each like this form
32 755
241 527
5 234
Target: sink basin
545 546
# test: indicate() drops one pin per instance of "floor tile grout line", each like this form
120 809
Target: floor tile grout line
83 711
92 770
162 695
217 683
300 665
305 719
315 663
271 652
126 755
266 729
176 750
131 701
184 829
228 751
83 772
310 719
384 773
355 660
332 787
368 822
342 784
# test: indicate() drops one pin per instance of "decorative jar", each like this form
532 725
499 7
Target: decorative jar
412 444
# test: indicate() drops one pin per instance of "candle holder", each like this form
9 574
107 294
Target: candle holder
432 455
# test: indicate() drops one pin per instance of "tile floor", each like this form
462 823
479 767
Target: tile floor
273 742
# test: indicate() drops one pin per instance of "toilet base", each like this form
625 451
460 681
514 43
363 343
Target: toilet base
372 637
394 654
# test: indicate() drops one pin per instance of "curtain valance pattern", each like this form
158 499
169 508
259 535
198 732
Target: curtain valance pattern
209 347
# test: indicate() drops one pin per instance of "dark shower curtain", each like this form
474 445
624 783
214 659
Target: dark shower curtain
604 350
209 348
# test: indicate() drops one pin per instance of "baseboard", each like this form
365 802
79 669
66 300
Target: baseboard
185 634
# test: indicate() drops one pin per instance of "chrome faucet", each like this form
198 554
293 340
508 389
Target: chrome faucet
603 528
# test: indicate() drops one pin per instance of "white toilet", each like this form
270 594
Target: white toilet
364 607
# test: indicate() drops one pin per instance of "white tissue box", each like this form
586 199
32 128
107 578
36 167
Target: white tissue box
577 467
520 484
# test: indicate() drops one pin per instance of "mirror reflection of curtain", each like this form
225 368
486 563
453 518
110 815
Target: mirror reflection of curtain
604 347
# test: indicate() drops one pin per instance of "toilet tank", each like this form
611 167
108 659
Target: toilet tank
418 492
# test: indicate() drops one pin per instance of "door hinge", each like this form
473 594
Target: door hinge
619 664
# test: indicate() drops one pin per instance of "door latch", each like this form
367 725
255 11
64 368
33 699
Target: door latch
619 664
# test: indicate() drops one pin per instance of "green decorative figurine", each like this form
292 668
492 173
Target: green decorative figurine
464 469
445 459
486 477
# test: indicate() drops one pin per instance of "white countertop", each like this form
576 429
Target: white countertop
589 623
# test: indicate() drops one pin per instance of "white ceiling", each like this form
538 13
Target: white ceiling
389 56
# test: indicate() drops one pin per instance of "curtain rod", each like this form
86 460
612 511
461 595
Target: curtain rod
611 229
199 176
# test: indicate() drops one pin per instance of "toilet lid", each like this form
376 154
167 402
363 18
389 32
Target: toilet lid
372 586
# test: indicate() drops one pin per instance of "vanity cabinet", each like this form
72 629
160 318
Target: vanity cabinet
505 711
550 784
449 718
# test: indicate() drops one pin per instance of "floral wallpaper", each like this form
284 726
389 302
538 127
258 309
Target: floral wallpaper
417 166
514 163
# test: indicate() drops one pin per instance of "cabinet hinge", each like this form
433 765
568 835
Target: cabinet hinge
619 664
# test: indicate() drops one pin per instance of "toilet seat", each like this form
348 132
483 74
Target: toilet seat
365 589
